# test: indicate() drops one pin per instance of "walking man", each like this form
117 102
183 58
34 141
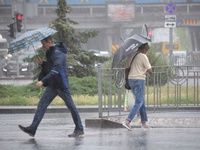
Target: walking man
54 77
136 79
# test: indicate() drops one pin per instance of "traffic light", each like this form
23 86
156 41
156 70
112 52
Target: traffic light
12 30
150 34
19 17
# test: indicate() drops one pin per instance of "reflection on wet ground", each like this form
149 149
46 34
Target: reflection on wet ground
53 131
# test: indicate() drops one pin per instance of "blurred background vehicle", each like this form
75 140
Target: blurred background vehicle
9 64
180 58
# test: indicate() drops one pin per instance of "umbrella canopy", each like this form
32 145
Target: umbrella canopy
29 38
128 47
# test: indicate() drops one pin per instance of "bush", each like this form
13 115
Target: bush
158 63
7 90
11 94
78 86
24 90
83 86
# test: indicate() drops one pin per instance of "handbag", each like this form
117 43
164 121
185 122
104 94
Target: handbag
127 86
127 70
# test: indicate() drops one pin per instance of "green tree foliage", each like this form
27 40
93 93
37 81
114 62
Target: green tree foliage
158 61
37 68
80 62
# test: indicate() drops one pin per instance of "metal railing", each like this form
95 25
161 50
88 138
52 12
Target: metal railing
173 87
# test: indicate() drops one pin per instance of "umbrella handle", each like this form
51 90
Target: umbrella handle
33 48
35 52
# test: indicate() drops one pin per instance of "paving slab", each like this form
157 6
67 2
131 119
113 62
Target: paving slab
176 119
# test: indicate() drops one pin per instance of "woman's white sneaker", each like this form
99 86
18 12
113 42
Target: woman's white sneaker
127 126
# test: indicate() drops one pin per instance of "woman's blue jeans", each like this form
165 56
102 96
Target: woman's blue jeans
137 86
49 94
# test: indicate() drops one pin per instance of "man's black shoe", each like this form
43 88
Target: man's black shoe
27 130
76 134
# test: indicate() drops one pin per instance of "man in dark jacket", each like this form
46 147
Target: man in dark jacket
55 77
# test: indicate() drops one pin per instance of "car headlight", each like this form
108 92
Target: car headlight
5 70
24 69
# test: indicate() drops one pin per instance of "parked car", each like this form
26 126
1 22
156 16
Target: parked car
9 66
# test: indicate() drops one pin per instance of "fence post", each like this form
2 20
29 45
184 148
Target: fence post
100 90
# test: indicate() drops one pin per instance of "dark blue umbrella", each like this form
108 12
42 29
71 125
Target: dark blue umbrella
29 39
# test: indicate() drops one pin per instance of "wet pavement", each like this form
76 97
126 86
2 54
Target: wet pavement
168 119
54 129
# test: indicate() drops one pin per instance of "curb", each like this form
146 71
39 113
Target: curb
50 109
85 108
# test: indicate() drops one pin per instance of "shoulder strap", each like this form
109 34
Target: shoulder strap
127 70
133 58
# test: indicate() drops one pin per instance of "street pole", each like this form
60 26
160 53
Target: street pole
171 45
17 57
16 35
25 12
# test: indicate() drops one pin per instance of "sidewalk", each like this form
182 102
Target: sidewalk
176 119
161 119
